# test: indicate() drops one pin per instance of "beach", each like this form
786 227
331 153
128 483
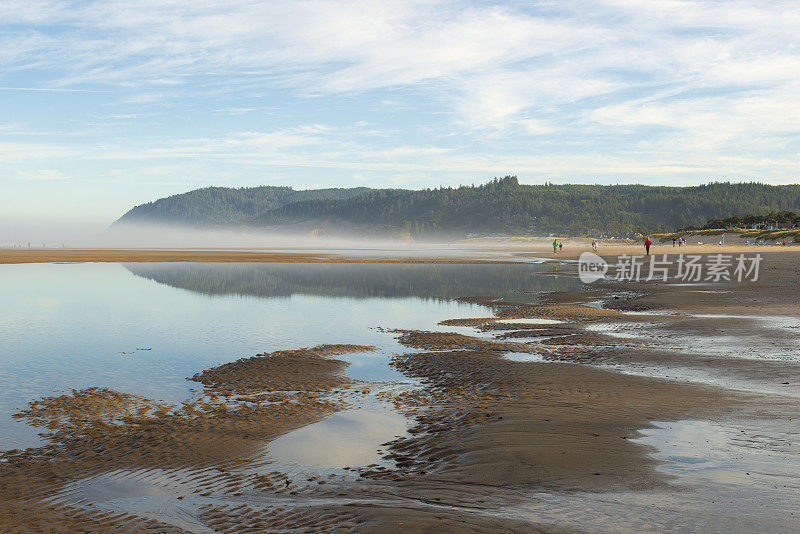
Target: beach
530 416
455 253
421 267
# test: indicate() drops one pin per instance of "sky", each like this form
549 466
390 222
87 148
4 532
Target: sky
112 103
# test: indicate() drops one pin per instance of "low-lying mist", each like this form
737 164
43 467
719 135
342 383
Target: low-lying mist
149 236
154 236
159 236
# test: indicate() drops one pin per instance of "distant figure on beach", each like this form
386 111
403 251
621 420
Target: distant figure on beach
674 241
555 246
594 245
784 242
647 244
560 246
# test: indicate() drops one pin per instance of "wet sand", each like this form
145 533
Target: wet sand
612 250
486 432
216 256
504 253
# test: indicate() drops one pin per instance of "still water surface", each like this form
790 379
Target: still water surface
144 328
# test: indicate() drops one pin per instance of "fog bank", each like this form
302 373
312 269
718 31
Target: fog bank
51 235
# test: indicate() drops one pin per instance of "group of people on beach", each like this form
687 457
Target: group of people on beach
676 242
558 246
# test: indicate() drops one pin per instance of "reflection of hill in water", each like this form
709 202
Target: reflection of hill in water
354 280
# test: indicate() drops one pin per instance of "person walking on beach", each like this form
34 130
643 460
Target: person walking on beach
560 246
555 246
674 240
594 245
647 244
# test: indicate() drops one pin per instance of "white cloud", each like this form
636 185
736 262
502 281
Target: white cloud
42 174
624 88
144 98
501 61
233 111
295 150
17 151
49 90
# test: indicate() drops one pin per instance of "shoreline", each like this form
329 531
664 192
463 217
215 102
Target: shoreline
214 256
430 255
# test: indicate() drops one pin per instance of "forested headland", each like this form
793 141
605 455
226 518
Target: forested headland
226 206
499 207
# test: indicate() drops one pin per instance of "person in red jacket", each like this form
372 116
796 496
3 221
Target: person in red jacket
647 244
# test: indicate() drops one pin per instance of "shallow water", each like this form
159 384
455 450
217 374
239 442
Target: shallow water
144 328
773 340
773 337
724 479
352 439
523 357
529 321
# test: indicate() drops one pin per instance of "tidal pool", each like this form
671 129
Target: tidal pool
144 328
352 439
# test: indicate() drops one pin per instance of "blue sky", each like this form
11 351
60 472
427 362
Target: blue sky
107 104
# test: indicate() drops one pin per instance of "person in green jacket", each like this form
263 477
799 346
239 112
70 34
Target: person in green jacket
555 246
